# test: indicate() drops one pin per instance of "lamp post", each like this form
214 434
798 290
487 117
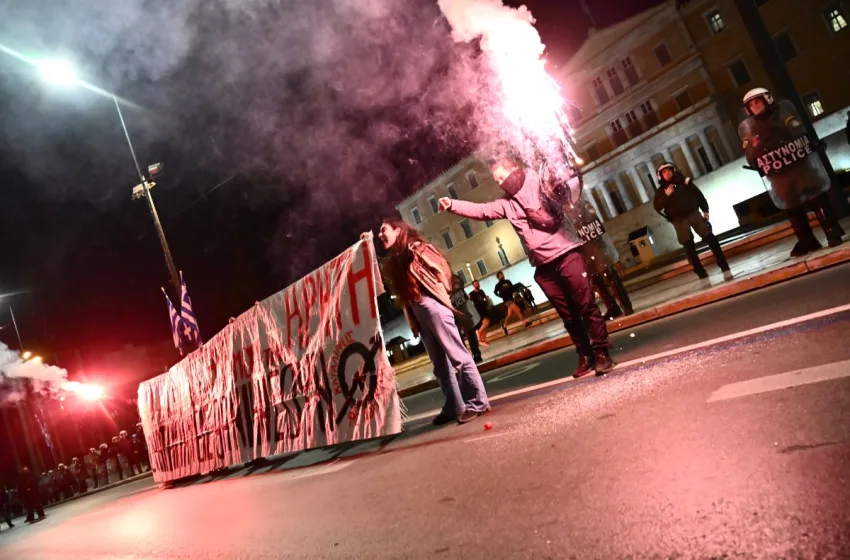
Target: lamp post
62 73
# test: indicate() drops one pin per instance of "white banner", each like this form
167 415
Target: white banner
305 368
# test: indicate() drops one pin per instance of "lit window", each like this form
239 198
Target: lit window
631 117
417 217
715 21
616 125
740 73
601 92
503 257
785 47
462 275
473 179
433 201
614 80
835 17
663 55
629 69
452 190
447 238
467 228
813 104
482 268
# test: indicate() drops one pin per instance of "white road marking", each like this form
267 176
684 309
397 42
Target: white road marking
781 381
514 372
669 353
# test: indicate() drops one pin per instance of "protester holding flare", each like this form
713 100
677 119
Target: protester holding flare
420 278
553 248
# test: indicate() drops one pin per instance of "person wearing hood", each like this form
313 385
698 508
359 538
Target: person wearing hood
553 245
681 202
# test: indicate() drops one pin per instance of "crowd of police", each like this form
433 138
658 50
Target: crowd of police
126 455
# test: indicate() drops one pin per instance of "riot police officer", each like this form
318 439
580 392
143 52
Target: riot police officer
599 256
776 145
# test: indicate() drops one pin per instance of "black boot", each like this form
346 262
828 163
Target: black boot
613 312
806 240
603 362
620 290
585 366
828 221
693 258
714 245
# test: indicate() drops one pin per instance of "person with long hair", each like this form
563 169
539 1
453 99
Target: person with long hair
420 278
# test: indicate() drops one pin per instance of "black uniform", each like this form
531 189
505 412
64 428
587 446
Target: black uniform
464 322
126 448
29 491
5 504
776 145
682 209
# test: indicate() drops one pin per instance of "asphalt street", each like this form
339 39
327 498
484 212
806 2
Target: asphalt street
739 449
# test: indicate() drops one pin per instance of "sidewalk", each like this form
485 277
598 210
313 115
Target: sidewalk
757 261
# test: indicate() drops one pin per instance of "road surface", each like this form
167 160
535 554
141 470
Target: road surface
739 448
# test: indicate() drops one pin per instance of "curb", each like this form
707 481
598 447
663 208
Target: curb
721 292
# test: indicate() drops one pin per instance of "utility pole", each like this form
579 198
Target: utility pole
145 188
784 85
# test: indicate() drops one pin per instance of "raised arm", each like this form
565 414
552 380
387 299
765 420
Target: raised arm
477 211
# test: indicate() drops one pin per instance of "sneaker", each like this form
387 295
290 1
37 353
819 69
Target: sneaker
727 275
604 363
468 416
585 366
442 419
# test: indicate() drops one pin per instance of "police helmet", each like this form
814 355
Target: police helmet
662 167
757 93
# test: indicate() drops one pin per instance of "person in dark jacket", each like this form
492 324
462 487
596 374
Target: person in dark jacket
465 323
125 448
114 453
5 504
505 290
486 312
681 202
30 494
102 460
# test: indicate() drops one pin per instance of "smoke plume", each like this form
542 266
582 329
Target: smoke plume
15 372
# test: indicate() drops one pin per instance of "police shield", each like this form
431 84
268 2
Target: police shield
775 144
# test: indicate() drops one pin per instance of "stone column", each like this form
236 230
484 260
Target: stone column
641 190
724 140
689 157
703 138
668 156
609 204
624 193
587 194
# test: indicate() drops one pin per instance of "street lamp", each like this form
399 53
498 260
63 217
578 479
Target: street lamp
61 72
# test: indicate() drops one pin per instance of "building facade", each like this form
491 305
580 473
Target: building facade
667 84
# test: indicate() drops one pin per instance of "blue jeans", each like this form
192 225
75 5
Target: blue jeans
454 368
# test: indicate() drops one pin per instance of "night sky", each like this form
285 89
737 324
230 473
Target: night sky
271 166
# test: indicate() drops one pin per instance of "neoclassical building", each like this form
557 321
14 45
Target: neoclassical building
642 95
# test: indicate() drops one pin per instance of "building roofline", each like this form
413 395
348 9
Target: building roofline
438 179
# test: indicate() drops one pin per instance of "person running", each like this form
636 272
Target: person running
553 250
505 290
419 276
681 202
484 308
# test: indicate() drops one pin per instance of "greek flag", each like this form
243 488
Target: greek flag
184 325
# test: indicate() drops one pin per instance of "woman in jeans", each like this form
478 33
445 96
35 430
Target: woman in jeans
420 278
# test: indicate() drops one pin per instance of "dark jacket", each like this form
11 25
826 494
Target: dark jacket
28 484
505 290
685 199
